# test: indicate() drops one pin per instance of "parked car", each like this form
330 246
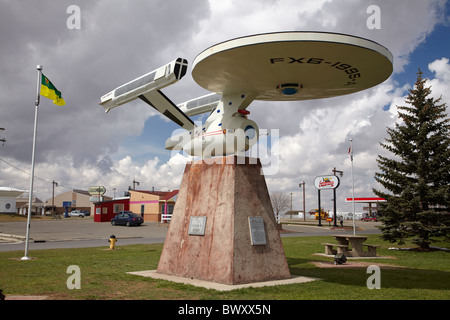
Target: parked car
127 218
78 213
366 219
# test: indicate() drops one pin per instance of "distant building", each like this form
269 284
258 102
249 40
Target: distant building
37 206
72 200
8 199
106 210
153 205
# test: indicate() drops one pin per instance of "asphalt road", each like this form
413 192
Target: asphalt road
84 232
76 233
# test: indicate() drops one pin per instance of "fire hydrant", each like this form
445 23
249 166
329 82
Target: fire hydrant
112 242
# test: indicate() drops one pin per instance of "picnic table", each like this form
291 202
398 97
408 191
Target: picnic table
351 246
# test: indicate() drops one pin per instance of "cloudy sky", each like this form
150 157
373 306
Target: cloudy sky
113 42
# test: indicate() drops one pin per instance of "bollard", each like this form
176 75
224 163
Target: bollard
112 242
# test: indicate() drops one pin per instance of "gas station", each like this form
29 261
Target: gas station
368 200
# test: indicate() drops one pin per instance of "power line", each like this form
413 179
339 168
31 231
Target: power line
27 173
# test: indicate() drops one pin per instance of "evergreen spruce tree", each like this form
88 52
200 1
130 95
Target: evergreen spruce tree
417 178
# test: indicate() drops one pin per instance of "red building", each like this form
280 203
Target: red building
105 211
151 205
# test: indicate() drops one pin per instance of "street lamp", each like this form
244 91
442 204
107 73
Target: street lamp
54 183
304 211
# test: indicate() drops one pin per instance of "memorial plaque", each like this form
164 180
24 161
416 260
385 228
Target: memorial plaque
257 232
197 226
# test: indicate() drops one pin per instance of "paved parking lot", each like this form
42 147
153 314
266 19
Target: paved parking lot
79 232
81 228
311 227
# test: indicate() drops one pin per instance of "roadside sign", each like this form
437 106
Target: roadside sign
96 190
326 182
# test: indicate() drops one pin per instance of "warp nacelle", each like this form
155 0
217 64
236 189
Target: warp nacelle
154 80
226 130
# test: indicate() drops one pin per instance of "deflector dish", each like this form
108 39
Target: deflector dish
309 65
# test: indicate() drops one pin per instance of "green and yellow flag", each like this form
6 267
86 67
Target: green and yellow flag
48 90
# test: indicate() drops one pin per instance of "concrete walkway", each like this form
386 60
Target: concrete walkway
219 286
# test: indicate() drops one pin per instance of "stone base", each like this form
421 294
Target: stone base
227 191
219 286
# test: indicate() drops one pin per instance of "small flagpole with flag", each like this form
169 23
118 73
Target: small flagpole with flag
350 152
46 89
30 196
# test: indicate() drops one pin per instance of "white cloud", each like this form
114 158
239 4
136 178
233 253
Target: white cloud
441 82
404 24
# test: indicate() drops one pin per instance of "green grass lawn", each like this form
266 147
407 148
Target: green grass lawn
411 275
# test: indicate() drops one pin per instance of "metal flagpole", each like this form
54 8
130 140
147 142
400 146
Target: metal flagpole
30 197
353 187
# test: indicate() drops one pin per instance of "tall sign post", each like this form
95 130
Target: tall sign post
97 191
325 182
350 152
334 196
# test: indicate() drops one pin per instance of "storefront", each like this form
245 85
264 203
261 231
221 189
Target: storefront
106 210
153 205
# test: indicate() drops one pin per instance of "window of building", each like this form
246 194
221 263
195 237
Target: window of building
118 207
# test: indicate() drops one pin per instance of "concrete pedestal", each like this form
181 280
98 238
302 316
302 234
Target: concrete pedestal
223 192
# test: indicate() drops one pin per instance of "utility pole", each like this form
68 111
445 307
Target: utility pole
341 173
134 184
304 206
2 140
54 183
291 207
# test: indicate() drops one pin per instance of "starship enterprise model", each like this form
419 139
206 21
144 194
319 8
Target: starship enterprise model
286 66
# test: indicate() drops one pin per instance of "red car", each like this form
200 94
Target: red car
369 219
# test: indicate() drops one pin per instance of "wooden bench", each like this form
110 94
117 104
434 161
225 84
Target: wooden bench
341 248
